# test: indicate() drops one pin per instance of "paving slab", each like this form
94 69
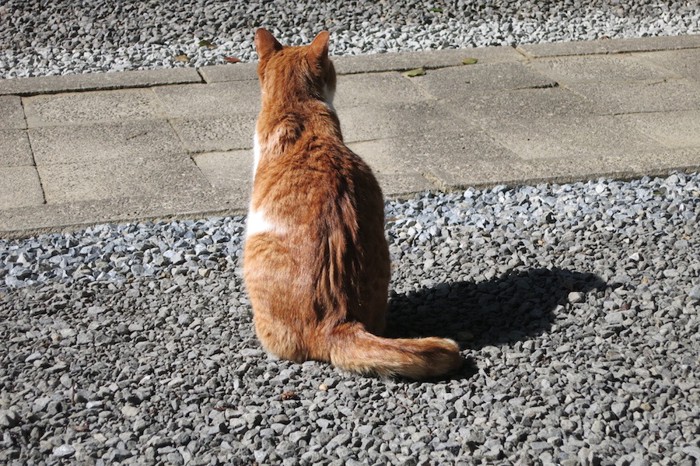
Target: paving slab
448 159
467 158
90 144
675 130
94 81
396 176
685 63
204 100
428 59
369 122
564 170
641 96
523 102
400 184
223 133
380 154
663 162
548 123
143 177
32 220
604 46
20 187
572 136
11 113
14 149
228 172
377 88
230 72
447 83
556 123
599 68
91 107
481 173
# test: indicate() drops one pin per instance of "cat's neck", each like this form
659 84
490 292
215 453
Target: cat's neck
283 123
284 104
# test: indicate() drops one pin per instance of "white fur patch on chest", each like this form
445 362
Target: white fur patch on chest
258 223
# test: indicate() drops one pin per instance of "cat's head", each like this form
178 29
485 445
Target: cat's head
297 70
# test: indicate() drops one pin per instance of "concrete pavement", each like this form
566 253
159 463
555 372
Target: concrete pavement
113 147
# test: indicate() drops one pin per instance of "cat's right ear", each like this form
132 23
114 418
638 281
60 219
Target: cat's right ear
265 43
318 49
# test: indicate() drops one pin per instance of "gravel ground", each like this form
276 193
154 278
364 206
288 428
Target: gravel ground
577 304
39 37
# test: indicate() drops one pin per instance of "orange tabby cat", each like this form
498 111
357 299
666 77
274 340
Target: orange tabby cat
316 262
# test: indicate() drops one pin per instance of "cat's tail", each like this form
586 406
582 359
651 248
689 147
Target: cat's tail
355 349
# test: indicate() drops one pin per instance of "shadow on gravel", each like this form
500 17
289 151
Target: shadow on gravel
514 307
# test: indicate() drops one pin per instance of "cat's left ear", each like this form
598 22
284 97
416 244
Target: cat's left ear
318 50
265 43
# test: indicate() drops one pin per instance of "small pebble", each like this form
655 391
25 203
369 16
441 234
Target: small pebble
63 451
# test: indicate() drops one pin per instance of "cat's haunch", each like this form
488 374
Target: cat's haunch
316 261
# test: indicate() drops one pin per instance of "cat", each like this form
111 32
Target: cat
316 262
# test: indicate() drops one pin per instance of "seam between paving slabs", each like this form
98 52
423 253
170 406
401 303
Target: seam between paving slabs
190 154
167 118
201 76
98 81
31 151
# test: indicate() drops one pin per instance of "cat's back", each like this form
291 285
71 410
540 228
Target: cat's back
316 176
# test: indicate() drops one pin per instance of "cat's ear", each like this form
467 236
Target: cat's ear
265 43
318 50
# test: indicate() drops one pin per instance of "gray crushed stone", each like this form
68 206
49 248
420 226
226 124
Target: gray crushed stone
41 38
577 304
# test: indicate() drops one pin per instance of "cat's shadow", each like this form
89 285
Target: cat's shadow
514 307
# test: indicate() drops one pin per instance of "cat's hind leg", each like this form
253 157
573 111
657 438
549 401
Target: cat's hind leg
274 295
